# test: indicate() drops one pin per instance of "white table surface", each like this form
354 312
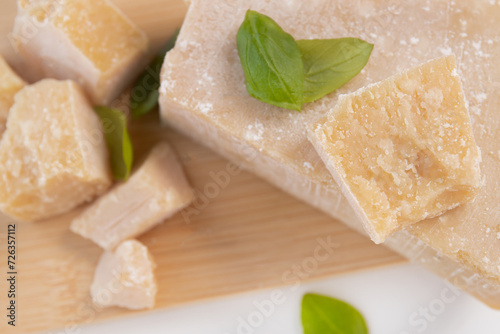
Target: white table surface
403 299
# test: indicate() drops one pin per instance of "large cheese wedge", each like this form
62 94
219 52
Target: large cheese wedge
203 94
402 149
155 192
10 84
53 156
125 277
91 42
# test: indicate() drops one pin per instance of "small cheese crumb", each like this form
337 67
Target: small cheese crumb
481 97
447 51
125 278
205 108
255 132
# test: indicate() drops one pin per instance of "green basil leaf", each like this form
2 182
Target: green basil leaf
148 102
325 315
331 63
114 125
271 61
144 96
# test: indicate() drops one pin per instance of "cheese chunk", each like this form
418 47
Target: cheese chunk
403 148
203 94
125 277
155 192
10 84
53 156
91 42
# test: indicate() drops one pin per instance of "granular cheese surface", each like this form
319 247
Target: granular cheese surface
53 156
403 149
91 42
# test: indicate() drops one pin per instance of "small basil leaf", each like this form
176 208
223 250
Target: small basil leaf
114 125
149 102
325 315
144 96
271 61
331 63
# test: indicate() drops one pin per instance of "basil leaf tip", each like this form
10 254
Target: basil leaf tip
271 61
144 95
114 124
325 315
331 63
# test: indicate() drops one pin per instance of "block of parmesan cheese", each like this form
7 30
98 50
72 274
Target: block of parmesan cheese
155 192
402 149
90 42
125 277
53 156
10 84
203 94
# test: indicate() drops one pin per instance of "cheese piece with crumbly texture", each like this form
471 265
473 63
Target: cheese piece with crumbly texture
203 94
155 192
53 156
10 84
91 42
402 149
125 277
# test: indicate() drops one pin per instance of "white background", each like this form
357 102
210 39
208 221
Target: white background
394 300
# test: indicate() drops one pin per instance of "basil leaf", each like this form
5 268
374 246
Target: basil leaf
144 96
325 315
271 61
114 125
331 63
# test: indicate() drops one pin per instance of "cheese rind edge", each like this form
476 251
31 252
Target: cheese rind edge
10 84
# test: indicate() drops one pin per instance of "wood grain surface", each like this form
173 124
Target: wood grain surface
240 235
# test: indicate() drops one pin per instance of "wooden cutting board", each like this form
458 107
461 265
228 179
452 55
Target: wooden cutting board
240 235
